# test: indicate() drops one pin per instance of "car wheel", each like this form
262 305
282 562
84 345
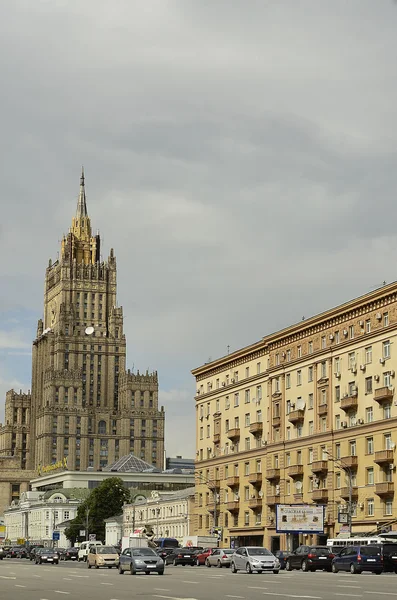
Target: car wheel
354 570
305 567
161 572
132 570
288 566
88 565
233 567
197 562
97 566
109 567
175 563
207 563
121 572
276 571
248 568
334 568
219 564
40 561
377 572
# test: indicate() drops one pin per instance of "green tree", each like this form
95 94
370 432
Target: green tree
104 501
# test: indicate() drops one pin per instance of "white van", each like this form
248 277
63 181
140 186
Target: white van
83 549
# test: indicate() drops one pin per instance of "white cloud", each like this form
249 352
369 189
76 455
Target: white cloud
14 340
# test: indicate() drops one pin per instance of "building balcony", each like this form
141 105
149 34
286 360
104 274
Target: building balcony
384 394
276 421
349 403
295 471
384 489
349 462
320 495
255 503
214 484
296 416
344 492
256 428
320 466
233 481
217 438
322 409
234 434
383 456
272 500
233 506
255 478
272 474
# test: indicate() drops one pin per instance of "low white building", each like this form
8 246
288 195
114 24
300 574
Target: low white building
34 518
168 515
113 530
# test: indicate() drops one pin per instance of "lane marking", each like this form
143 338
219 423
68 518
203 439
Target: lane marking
6 577
183 581
383 593
358 587
173 597
292 595
252 587
17 585
60 592
159 590
38 576
106 583
350 595
230 596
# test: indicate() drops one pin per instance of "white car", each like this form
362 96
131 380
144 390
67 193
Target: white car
253 558
84 548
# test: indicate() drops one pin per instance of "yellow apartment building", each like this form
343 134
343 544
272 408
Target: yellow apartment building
307 415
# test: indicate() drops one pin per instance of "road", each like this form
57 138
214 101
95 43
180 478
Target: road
23 580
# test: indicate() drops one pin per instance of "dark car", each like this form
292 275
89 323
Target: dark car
144 560
357 559
310 558
182 556
389 553
47 555
164 552
13 552
33 550
70 554
23 552
282 556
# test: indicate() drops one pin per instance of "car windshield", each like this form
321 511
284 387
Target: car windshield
259 552
144 552
227 551
106 550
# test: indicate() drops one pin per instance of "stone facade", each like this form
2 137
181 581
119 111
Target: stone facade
84 404
13 480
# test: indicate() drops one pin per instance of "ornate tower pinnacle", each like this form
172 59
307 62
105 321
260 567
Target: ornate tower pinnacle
81 202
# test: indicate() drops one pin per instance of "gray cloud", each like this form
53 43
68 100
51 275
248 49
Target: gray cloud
240 160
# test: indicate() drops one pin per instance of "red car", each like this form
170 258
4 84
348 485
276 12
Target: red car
202 555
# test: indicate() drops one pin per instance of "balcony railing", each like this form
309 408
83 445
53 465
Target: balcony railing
295 470
272 474
383 456
384 394
276 421
323 409
344 492
350 462
384 489
256 428
296 416
255 478
233 506
349 403
320 495
233 481
319 466
217 438
233 434
255 503
271 500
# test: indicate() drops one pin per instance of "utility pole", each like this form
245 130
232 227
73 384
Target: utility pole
87 514
349 473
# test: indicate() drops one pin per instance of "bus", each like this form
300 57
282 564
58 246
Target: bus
339 543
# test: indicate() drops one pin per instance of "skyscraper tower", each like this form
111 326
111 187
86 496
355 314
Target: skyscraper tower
84 405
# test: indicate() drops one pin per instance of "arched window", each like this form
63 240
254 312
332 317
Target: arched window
102 427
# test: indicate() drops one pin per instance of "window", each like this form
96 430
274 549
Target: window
277 384
310 374
259 392
337 393
288 355
276 461
352 360
370 445
353 448
337 421
66 515
323 424
368 385
276 409
311 427
337 480
370 507
288 407
246 518
323 342
299 430
288 459
311 400
236 422
258 368
246 468
299 351
277 359
388 441
323 369
387 411
352 388
388 507
227 403
369 414
288 433
201 433
351 332
368 355
368 326
247 372
247 396
288 487
310 348
310 458
337 365
386 349
236 399
385 319
323 399
337 451
208 431
324 453
299 377
247 419
288 381
387 379
299 457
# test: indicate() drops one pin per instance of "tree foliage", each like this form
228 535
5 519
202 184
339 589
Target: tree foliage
103 502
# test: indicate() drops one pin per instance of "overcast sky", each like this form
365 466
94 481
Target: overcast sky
240 157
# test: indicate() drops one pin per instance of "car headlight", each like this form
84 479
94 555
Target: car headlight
139 561
277 563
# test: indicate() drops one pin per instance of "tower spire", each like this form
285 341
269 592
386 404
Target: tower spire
81 202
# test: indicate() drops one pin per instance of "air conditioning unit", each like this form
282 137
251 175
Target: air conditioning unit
331 336
232 447
376 377
354 390
361 323
233 381
361 505
343 424
362 367
277 490
354 370
264 443
382 361
201 418
379 316
337 375
223 384
392 466
360 421
353 422
392 373
345 332
345 395
292 405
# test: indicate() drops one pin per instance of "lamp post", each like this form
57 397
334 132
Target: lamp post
211 483
349 473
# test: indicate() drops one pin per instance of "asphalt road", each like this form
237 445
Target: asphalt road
23 580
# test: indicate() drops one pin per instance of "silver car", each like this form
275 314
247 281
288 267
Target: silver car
219 557
254 558
143 560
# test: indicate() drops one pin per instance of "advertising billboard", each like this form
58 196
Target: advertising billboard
2 532
299 518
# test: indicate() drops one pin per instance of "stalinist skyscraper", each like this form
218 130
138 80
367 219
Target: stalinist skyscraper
84 405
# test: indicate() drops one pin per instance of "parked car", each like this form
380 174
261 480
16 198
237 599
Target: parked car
13 551
220 557
33 550
181 556
2 553
389 553
23 552
102 556
357 559
144 560
70 554
253 558
282 556
201 555
164 552
310 558
47 555
84 548
166 542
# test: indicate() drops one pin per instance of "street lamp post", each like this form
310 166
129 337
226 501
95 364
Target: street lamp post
349 473
212 486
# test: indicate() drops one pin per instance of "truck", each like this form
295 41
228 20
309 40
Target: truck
134 541
200 541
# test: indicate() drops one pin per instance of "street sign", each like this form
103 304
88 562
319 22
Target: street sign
343 517
82 532
92 537
56 536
